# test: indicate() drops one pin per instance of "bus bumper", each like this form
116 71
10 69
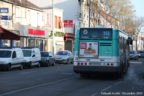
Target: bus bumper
94 69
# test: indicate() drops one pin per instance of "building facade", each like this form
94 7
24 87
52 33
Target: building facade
54 23
26 20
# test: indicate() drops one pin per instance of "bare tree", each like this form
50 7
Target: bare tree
122 10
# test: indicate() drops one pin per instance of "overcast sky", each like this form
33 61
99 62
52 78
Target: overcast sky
45 3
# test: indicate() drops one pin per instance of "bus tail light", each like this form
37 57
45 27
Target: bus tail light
85 63
82 63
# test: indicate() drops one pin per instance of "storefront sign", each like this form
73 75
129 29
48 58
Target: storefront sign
4 17
33 32
36 32
4 10
68 23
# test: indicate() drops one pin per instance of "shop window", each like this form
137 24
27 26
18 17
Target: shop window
31 43
6 43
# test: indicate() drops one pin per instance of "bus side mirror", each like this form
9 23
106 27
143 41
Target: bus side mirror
129 41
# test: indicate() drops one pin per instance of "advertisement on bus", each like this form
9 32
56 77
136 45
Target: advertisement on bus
88 49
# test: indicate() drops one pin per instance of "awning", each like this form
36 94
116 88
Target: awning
8 35
69 36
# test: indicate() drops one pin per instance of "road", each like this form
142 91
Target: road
60 80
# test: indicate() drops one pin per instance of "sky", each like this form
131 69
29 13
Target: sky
139 7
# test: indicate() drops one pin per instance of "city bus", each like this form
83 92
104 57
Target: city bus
101 50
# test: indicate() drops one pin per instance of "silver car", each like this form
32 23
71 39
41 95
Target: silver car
133 55
64 57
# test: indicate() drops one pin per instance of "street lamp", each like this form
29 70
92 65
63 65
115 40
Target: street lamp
53 26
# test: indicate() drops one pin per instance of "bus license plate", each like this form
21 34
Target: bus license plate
95 63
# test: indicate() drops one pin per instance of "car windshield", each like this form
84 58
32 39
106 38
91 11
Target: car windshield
44 54
27 53
5 54
62 53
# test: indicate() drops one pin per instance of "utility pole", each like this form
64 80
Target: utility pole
89 11
53 49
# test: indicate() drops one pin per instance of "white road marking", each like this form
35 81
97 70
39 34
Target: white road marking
106 88
35 86
111 86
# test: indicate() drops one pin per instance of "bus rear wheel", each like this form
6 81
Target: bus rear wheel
84 75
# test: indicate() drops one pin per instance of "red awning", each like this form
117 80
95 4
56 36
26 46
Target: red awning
8 35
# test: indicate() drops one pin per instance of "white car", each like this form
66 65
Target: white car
32 57
64 57
11 58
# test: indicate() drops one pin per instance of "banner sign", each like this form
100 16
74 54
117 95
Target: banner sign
4 10
33 32
36 32
3 17
68 23
88 49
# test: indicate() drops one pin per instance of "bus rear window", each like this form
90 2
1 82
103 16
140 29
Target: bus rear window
95 33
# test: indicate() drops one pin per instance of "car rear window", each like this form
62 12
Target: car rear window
44 54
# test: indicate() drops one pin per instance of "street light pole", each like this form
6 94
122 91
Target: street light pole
89 11
53 49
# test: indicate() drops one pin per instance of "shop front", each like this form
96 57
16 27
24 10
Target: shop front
69 40
69 34
33 37
59 44
7 37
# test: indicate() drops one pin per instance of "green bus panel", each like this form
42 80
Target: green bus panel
115 42
106 47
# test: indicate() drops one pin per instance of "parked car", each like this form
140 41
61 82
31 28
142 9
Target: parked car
141 53
133 55
32 57
47 59
11 58
64 57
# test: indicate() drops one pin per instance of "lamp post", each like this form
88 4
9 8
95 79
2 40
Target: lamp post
53 49
89 11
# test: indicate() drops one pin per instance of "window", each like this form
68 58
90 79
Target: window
50 54
62 53
27 53
5 54
45 54
14 55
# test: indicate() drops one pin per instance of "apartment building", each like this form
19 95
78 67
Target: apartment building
25 20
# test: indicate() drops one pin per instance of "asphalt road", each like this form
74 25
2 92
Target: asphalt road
60 80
